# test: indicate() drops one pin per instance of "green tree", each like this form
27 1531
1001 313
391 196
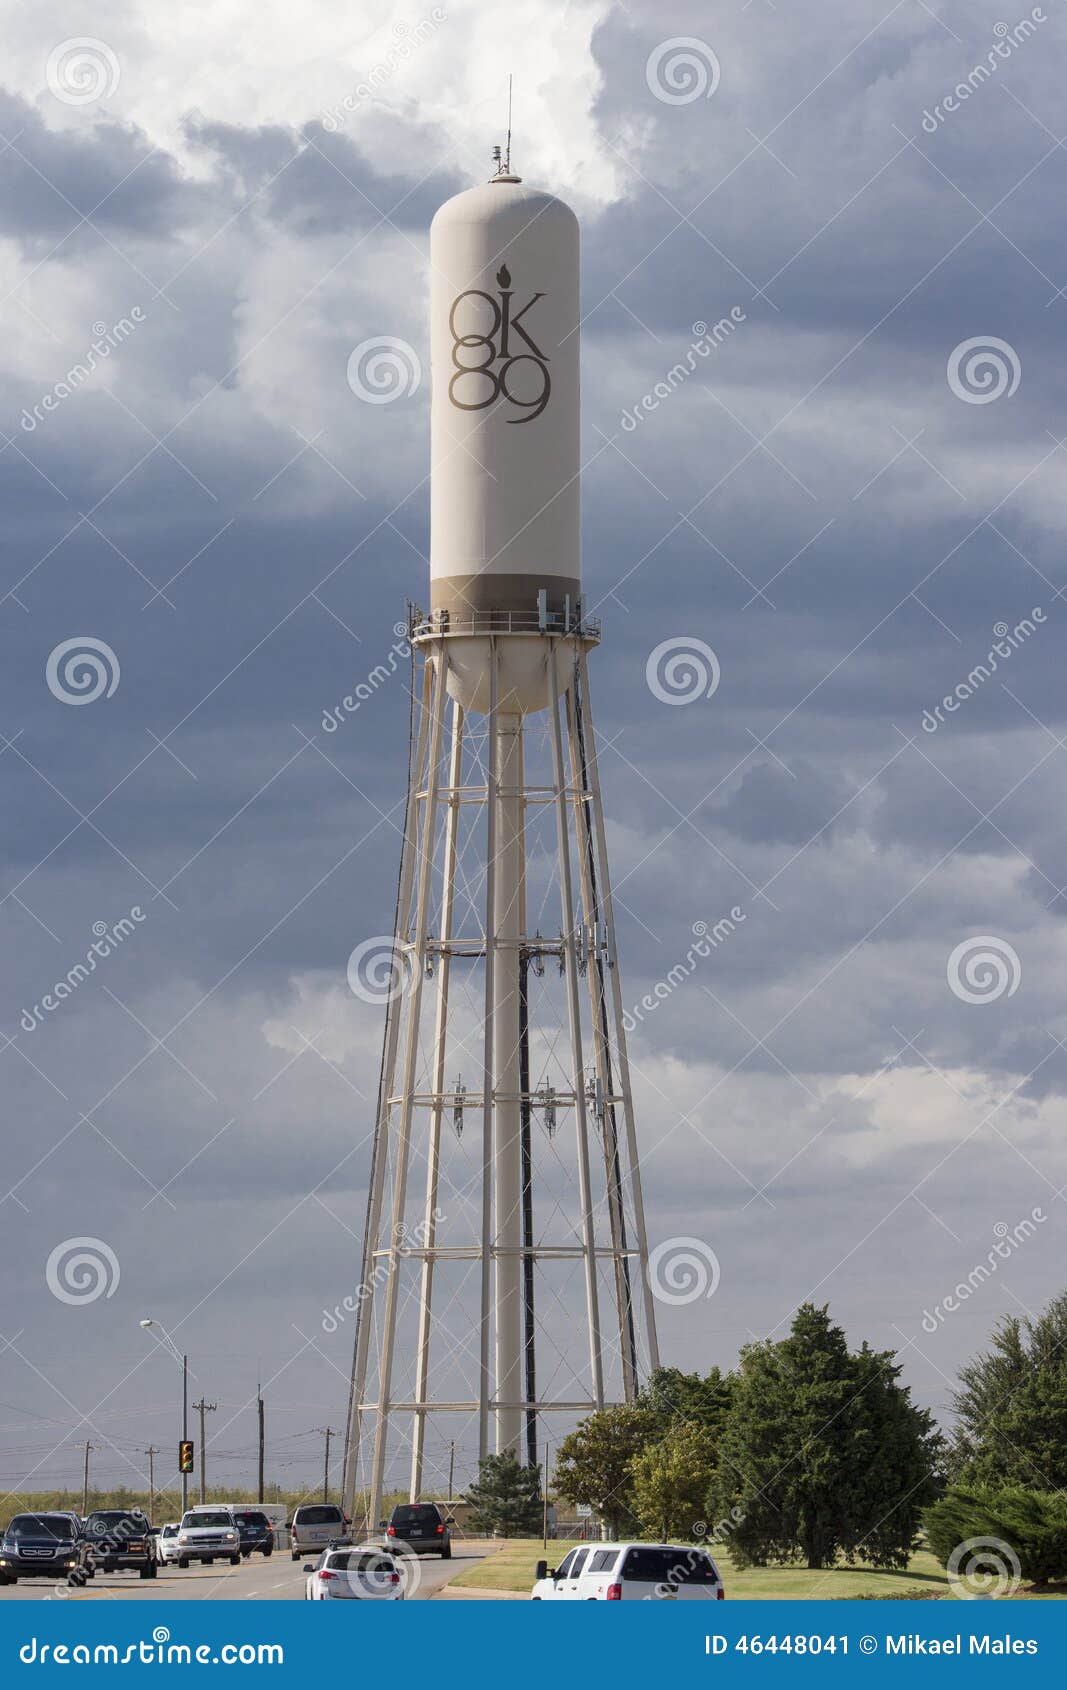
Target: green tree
823 1453
506 1497
701 1399
1012 1406
593 1461
989 1536
671 1479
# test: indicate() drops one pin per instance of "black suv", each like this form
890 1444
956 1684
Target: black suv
254 1530
121 1537
422 1528
42 1546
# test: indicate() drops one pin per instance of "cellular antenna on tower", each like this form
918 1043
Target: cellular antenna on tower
502 158
511 1293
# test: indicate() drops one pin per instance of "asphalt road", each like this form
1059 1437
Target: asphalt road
279 1579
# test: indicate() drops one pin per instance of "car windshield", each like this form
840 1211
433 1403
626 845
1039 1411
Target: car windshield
114 1520
416 1514
208 1517
41 1525
169 1531
668 1566
318 1516
253 1519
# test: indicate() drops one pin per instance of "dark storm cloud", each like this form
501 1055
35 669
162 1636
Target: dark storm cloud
846 583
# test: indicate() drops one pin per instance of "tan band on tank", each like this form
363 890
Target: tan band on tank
463 595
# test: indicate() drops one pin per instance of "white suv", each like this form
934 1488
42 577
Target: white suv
208 1534
630 1572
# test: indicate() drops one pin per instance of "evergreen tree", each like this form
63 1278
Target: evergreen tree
823 1453
506 1498
700 1399
671 1480
1012 1406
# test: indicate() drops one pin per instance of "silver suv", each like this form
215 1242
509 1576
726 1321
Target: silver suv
207 1534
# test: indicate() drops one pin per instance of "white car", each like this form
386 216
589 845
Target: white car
354 1575
630 1572
167 1542
208 1534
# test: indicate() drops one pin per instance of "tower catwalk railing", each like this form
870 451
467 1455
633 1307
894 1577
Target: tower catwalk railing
402 1263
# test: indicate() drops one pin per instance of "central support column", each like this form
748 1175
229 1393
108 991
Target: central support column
507 1142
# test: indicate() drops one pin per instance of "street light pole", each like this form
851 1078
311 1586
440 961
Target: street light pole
172 1349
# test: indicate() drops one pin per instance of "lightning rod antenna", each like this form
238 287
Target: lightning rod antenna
507 142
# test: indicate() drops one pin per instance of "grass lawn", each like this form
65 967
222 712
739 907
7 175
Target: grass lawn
511 1567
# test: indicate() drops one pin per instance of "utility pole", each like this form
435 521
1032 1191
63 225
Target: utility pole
451 1467
85 1479
544 1514
327 1432
259 1403
203 1408
151 1453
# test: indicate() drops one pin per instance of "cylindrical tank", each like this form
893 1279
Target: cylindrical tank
505 497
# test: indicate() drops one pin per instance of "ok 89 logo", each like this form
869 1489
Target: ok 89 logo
494 353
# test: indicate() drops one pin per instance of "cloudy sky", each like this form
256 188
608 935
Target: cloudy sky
848 502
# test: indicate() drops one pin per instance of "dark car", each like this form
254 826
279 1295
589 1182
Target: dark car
255 1531
121 1537
42 1546
422 1528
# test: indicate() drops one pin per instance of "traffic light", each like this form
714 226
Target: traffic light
185 1456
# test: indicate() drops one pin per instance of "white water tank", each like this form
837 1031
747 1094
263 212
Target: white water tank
505 532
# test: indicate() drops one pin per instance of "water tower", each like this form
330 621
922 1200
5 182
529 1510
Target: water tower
503 1290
